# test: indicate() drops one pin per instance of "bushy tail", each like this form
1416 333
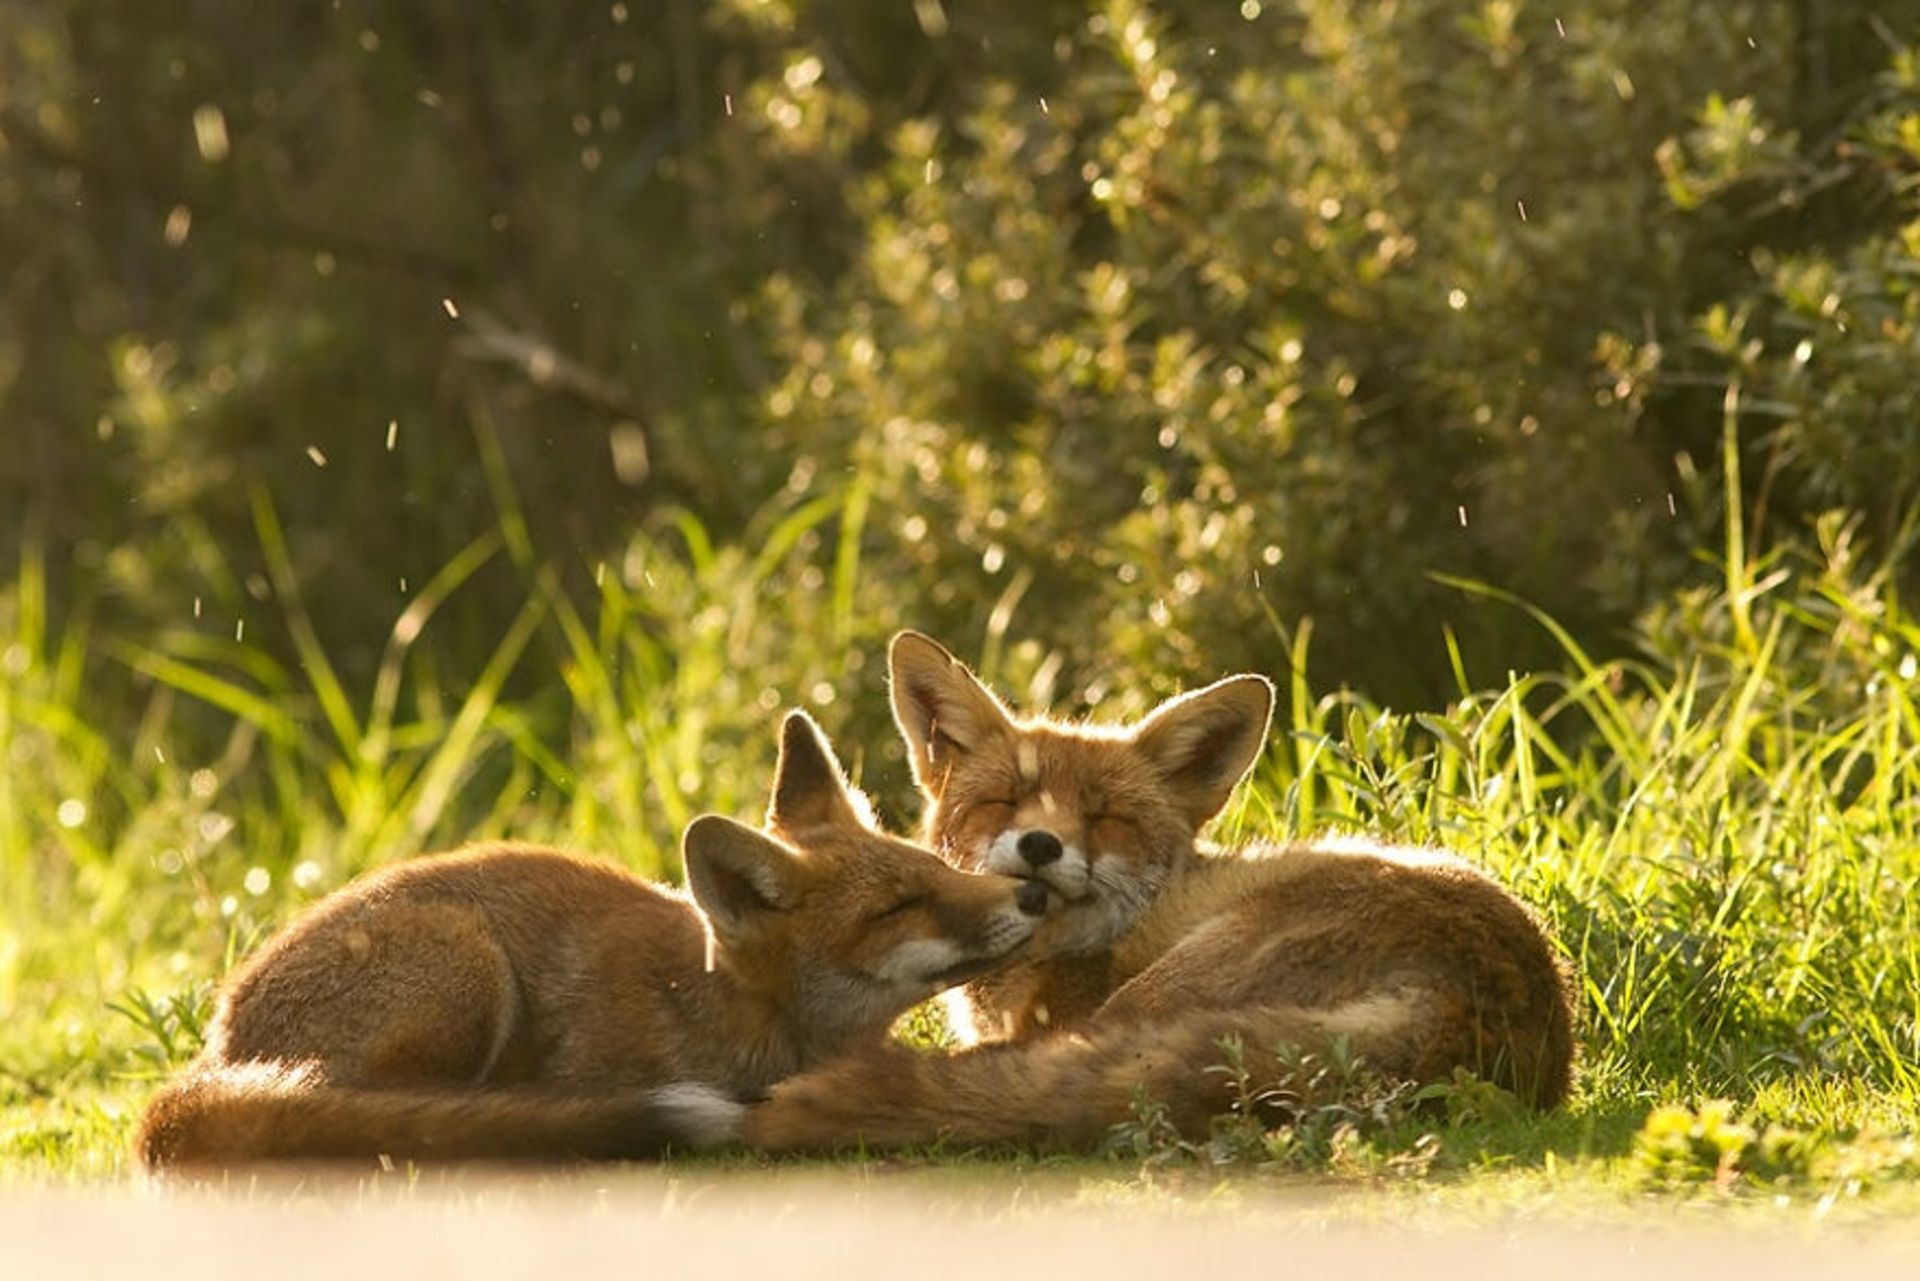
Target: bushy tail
229 1115
1073 1088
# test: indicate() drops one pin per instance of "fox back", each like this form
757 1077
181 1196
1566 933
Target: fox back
515 1002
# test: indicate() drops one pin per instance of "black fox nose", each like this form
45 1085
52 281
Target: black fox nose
1038 847
1031 898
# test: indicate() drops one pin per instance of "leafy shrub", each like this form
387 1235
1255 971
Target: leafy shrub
1823 344
1144 323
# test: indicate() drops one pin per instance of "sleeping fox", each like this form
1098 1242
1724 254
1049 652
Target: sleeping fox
514 1002
1157 948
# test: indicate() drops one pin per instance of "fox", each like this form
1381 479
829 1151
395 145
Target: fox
511 1002
1160 951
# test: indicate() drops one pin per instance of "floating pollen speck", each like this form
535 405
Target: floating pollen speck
210 133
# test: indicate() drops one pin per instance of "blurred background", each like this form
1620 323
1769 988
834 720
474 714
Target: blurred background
1110 342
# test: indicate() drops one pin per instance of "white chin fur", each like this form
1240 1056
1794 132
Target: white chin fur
910 964
918 962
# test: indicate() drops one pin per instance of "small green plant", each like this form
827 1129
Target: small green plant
1292 1110
174 1024
1711 1145
925 1027
1150 1137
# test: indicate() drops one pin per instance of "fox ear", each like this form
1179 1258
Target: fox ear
808 787
941 708
1204 741
737 874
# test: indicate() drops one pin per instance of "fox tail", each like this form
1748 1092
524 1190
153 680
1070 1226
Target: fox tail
224 1115
1073 1088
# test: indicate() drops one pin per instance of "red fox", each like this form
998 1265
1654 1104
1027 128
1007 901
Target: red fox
514 1002
1158 949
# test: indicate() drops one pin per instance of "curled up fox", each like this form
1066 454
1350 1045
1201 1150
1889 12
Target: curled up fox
514 1002
1157 947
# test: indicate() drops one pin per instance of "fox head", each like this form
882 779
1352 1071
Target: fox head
1105 816
849 926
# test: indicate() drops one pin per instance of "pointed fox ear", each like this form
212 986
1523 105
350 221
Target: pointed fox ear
940 707
808 787
738 875
1204 741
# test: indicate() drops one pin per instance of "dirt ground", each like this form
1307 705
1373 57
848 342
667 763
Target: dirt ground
481 1228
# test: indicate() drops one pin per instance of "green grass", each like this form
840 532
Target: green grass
1722 834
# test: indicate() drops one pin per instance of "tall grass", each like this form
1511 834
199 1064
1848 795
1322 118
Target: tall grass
1722 832
1725 835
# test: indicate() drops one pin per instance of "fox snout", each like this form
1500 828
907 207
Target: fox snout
1037 854
1006 924
1039 848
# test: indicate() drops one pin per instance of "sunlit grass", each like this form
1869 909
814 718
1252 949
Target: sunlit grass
1721 833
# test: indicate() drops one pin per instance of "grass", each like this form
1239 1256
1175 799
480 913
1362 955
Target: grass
1722 834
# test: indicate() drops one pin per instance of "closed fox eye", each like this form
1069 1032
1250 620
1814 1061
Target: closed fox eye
906 904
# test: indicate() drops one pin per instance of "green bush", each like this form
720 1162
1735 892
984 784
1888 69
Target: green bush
1823 342
1142 324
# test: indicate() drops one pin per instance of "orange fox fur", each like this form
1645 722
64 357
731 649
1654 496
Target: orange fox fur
1158 948
512 1002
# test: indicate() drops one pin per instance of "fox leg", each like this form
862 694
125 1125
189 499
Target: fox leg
1237 959
893 1097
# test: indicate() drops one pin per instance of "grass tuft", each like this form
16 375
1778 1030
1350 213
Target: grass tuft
1723 833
